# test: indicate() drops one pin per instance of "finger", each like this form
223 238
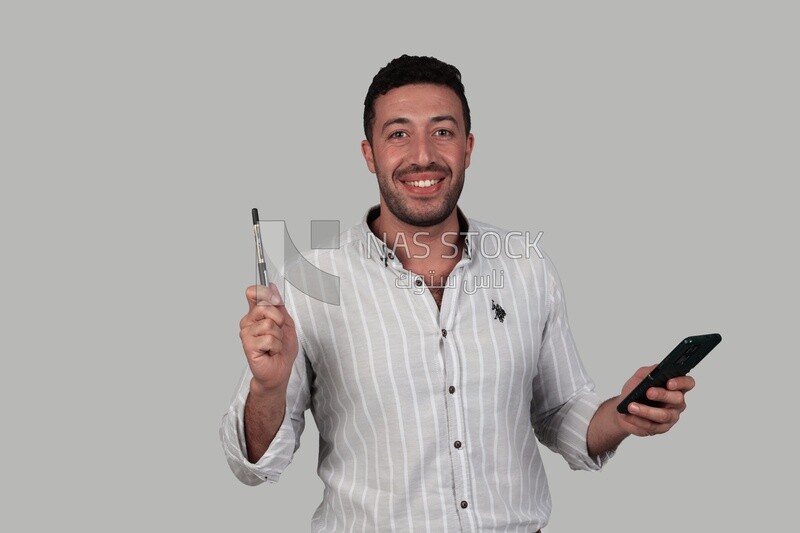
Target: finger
643 371
266 345
253 293
263 312
261 328
644 426
682 383
654 415
670 398
263 295
277 313
641 426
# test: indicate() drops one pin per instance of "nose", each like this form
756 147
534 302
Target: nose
422 151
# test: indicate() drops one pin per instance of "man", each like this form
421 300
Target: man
446 348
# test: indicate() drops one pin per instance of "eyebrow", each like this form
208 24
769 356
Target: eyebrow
444 118
433 120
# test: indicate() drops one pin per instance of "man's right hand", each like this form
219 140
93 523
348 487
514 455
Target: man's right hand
270 344
269 341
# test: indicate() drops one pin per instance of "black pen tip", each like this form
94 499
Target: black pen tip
255 216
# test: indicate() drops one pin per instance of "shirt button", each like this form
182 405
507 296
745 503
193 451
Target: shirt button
391 255
457 444
452 389
463 504
418 282
444 333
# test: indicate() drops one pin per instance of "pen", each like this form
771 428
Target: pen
263 276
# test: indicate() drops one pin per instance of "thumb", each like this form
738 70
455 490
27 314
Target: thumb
263 295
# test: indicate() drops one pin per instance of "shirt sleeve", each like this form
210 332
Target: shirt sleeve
286 442
564 400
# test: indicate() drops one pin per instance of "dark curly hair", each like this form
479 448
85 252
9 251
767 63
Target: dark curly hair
407 70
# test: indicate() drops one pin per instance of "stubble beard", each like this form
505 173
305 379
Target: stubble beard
399 209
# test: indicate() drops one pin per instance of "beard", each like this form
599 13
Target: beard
434 211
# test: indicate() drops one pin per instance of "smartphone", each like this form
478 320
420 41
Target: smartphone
679 362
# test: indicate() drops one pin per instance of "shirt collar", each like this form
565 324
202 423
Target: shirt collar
375 247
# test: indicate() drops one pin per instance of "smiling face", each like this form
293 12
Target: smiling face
419 153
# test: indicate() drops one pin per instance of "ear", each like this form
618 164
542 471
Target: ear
366 151
468 152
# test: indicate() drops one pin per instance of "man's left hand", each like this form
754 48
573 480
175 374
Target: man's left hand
644 420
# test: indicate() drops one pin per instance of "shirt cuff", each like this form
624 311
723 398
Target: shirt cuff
274 461
571 437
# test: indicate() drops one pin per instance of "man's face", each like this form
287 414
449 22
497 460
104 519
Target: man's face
419 152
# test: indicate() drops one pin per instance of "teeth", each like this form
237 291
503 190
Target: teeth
424 183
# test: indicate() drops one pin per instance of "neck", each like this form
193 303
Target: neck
415 245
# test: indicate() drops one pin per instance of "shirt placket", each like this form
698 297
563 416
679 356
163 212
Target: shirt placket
455 397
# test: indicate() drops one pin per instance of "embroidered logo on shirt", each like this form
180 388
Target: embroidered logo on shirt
499 312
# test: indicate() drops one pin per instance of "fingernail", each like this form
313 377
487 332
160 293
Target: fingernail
633 408
275 299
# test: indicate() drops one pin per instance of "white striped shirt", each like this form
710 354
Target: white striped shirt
425 415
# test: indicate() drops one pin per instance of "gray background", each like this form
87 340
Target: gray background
654 144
